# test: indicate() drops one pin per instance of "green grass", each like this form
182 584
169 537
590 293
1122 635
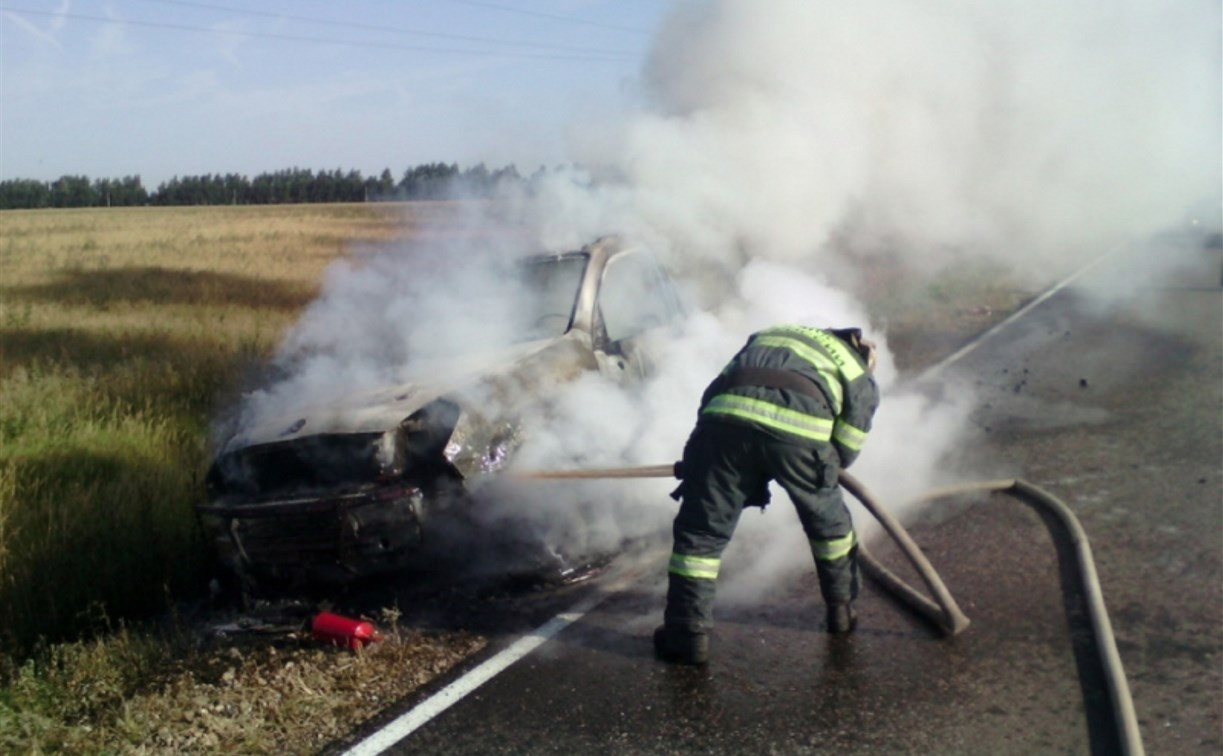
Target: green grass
97 496
123 333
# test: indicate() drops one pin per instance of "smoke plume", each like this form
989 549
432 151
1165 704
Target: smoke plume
770 144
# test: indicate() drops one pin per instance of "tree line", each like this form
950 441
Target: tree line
429 181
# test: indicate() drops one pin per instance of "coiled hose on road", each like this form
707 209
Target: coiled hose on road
943 611
947 615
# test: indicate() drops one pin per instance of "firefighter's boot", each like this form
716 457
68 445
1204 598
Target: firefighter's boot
841 618
681 647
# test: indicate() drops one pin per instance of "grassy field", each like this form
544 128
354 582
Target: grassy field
123 332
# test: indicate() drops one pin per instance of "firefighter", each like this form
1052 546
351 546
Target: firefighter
793 406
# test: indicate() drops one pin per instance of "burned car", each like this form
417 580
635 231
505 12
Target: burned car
361 488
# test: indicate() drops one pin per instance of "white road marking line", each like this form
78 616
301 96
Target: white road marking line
931 371
416 717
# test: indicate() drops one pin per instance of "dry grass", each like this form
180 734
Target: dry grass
138 693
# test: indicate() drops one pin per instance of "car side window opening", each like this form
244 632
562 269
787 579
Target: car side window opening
632 297
553 285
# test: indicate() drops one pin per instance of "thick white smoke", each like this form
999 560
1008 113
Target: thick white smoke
772 142
777 139
383 318
1026 132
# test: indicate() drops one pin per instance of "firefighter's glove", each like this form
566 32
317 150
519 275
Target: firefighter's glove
678 469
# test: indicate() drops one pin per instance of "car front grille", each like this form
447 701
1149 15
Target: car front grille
360 534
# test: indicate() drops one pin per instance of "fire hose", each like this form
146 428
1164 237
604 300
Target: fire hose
943 611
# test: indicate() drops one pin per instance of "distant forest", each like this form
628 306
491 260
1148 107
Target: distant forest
430 181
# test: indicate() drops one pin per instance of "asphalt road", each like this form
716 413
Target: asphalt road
1118 411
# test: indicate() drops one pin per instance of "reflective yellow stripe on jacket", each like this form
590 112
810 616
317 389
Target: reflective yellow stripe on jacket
820 361
834 359
771 415
841 353
835 548
848 436
700 568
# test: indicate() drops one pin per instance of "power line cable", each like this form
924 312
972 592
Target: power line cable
389 29
592 56
551 17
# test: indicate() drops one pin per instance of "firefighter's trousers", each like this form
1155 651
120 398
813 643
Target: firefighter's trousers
726 467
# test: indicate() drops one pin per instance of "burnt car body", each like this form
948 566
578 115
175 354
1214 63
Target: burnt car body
360 488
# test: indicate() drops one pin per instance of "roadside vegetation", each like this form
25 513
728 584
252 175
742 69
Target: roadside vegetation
123 333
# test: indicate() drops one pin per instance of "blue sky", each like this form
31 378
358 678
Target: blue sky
157 88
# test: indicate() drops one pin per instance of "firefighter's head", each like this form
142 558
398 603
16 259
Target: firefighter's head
864 347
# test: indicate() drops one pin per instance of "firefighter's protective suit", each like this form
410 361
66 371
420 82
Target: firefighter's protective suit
794 406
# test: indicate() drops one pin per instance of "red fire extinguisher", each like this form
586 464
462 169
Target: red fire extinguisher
343 631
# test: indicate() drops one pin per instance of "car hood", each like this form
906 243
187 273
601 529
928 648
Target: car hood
492 384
